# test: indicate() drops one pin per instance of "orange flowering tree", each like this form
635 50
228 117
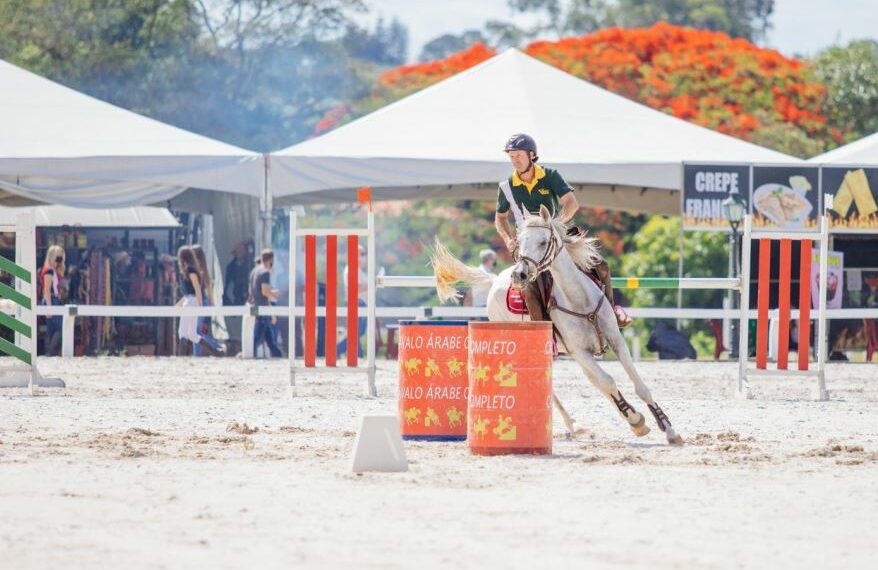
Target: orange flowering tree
723 83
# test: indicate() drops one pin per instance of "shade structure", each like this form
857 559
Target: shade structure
446 142
863 152
60 146
130 217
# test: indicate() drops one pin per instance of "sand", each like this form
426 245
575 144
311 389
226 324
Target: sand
173 463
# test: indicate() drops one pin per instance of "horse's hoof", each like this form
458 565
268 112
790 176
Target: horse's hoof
641 430
675 440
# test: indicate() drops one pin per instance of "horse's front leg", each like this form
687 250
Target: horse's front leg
604 382
617 343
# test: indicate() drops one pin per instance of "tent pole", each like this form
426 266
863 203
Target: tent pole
265 207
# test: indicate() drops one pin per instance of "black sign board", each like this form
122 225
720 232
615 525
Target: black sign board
705 186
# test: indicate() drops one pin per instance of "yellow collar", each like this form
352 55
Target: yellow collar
539 173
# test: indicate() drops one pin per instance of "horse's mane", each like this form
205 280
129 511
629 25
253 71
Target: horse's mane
585 251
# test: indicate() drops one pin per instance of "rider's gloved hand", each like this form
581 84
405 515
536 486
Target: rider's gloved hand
510 245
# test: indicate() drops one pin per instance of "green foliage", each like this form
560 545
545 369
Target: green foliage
739 18
851 74
655 252
256 73
447 44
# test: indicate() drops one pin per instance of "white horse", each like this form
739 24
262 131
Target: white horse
584 319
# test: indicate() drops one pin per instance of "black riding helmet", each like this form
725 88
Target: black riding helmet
521 141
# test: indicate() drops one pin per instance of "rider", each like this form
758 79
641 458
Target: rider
532 186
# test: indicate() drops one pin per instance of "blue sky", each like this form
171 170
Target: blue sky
801 27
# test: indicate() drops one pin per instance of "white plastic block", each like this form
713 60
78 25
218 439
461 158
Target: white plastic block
378 446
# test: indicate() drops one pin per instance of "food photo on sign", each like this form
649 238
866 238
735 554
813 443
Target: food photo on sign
855 204
785 197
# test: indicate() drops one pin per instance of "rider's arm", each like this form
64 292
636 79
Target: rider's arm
569 207
501 222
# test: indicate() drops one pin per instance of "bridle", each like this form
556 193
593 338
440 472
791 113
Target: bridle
552 251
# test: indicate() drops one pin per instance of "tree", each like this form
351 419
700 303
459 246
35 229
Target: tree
386 45
448 44
256 73
748 19
851 75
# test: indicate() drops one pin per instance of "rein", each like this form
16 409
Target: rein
540 266
548 258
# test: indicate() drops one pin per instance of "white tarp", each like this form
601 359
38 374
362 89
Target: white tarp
60 146
131 217
446 142
863 152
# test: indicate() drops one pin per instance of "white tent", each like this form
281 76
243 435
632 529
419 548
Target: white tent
60 146
863 152
131 217
446 141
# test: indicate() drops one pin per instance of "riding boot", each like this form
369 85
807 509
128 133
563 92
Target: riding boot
602 270
533 298
209 349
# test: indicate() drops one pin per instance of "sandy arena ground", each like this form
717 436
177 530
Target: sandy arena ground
172 463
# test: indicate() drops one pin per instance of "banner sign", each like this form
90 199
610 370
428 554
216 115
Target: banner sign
834 279
785 197
705 186
855 202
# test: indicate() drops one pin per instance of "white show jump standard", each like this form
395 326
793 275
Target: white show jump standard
744 371
23 372
309 362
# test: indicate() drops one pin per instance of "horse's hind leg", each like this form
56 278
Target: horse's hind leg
617 343
604 382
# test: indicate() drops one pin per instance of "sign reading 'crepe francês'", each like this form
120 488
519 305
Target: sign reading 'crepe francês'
705 186
855 198
786 197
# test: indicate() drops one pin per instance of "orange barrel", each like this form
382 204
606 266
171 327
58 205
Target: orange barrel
510 388
433 382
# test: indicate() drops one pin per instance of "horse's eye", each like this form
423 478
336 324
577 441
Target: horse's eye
543 243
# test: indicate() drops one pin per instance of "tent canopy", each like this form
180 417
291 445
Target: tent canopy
60 146
863 152
131 217
446 142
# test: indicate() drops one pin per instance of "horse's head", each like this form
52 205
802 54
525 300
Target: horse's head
539 242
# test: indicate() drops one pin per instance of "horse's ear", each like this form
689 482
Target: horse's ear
545 214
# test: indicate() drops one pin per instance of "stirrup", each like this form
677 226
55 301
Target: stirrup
622 318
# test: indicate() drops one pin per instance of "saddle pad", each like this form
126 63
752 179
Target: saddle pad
515 302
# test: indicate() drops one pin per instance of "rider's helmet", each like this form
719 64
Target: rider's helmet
521 141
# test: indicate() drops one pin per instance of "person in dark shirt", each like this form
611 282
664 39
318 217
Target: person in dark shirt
262 295
237 277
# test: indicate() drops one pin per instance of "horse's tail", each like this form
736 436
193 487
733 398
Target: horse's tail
449 271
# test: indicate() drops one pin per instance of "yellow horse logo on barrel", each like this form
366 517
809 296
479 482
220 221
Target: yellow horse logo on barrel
411 416
455 416
432 368
480 426
505 431
412 365
455 367
481 373
506 377
432 418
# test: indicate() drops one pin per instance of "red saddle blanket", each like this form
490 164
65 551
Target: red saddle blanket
515 302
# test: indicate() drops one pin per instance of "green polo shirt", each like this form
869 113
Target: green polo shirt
546 189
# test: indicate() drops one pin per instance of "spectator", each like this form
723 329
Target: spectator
263 295
237 277
362 289
192 297
50 280
478 296
205 324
